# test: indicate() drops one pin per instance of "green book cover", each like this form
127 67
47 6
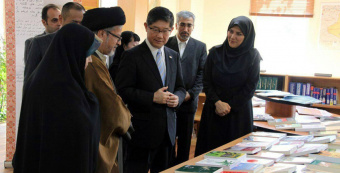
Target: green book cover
258 87
224 155
274 83
195 168
263 83
269 83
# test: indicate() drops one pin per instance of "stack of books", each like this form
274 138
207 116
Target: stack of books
275 152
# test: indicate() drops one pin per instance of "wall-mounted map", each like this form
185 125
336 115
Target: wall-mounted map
330 26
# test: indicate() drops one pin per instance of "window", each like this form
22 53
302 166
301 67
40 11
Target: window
290 8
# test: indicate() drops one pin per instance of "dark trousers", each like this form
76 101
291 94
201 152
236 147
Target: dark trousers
185 122
141 160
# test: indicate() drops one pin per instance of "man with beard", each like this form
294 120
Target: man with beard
192 56
72 12
107 24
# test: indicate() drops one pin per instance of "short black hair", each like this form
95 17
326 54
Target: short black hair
71 5
46 8
127 37
136 37
160 13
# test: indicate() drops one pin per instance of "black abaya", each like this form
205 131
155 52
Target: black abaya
230 75
59 124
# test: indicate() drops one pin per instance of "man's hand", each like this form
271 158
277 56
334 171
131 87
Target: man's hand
222 108
161 96
187 96
173 101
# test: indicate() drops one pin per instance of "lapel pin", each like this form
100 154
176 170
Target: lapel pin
170 57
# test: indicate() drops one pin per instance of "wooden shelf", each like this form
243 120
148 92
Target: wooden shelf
326 106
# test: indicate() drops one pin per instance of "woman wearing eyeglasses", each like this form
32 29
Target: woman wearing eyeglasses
230 76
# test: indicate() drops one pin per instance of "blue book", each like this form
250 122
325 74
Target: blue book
308 88
335 96
324 95
328 95
331 101
292 87
298 88
304 88
247 167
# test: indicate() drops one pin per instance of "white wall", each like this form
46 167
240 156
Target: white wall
2 20
107 3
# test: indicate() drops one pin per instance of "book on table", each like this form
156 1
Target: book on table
226 155
281 121
262 145
298 144
297 160
279 167
322 139
308 128
324 166
309 148
223 163
331 123
330 118
304 119
267 155
306 138
197 169
323 133
333 128
261 139
284 149
238 149
329 155
264 162
287 126
246 167
270 134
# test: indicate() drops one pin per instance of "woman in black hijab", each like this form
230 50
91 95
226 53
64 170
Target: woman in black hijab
129 40
59 118
230 76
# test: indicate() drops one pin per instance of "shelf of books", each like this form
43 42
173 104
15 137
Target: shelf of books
323 88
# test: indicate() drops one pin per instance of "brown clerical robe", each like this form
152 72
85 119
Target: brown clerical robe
115 116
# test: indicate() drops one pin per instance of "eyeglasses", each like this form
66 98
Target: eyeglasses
119 38
189 25
164 31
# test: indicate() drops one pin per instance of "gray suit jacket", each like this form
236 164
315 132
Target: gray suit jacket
28 45
38 48
192 63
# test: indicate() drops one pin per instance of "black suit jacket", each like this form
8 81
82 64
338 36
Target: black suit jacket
38 48
28 45
192 63
137 79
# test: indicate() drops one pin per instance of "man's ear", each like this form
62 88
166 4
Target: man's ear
146 26
60 19
43 22
101 34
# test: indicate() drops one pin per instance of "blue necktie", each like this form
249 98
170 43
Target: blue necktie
161 65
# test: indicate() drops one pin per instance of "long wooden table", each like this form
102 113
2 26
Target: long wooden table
201 157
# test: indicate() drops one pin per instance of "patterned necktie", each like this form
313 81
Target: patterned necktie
161 65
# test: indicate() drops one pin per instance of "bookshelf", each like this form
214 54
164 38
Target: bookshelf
314 80
283 85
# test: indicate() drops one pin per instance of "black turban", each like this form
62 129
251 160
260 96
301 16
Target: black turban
101 18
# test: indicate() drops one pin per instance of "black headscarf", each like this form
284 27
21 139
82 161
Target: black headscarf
233 60
59 124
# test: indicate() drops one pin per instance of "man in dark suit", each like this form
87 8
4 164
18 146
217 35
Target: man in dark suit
50 19
72 12
149 80
193 54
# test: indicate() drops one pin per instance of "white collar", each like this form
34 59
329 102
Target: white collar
153 49
101 56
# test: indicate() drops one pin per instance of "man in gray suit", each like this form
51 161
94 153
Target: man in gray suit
193 54
72 12
50 19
